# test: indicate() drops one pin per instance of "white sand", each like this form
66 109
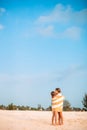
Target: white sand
40 120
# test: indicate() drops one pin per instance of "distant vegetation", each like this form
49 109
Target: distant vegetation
66 106
84 102
15 107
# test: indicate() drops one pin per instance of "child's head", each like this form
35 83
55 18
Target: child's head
52 93
58 90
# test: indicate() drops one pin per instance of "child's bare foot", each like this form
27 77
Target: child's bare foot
53 123
59 123
62 123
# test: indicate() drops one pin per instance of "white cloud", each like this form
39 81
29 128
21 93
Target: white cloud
59 14
2 10
1 27
62 14
72 33
46 31
62 22
80 16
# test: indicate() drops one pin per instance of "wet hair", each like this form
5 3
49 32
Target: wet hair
58 89
53 93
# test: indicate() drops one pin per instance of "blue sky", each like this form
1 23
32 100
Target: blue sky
43 45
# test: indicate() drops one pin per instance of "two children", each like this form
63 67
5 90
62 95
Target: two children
57 106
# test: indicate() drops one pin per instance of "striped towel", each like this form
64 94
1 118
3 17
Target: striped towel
57 103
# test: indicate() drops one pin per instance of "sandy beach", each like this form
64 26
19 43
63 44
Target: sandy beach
40 120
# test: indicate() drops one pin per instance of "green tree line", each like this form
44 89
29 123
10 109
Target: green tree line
66 106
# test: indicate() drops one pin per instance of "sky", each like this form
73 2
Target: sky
43 45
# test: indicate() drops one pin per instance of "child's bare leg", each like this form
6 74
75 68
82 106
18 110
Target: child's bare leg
53 117
59 119
61 116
